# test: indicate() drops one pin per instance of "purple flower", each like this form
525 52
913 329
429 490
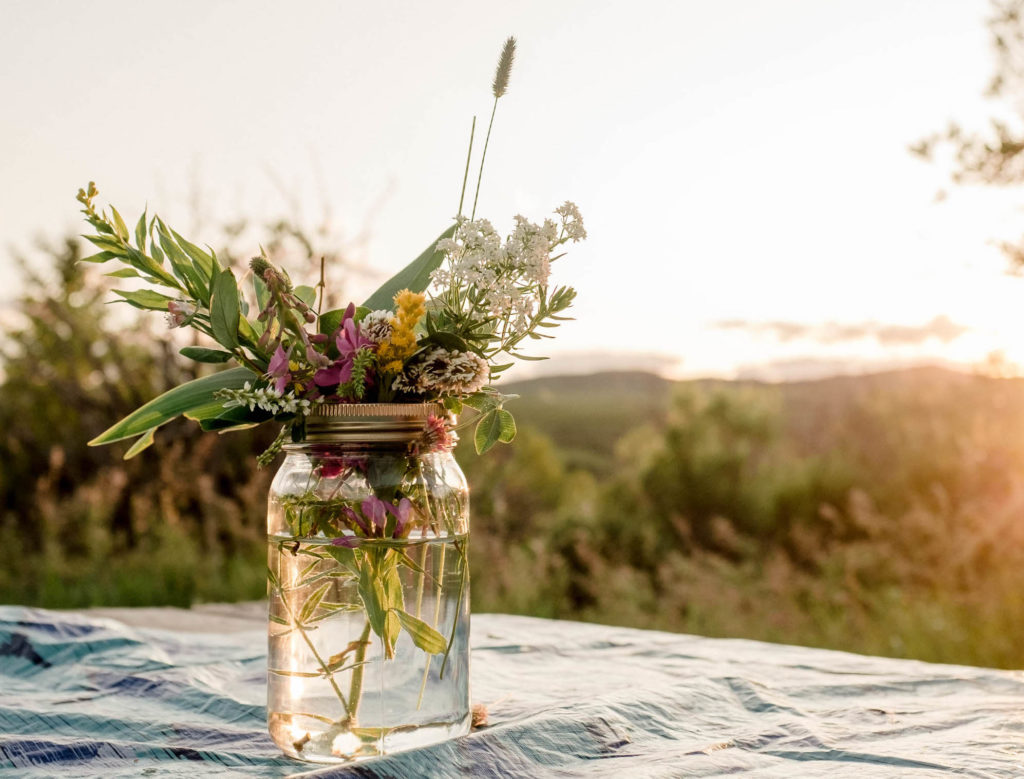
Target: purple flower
349 542
349 340
402 514
278 369
356 519
375 510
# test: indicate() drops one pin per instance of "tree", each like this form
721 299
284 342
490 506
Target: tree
995 155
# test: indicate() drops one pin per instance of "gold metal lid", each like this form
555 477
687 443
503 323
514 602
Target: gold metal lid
369 422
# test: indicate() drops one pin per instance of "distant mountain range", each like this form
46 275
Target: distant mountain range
586 415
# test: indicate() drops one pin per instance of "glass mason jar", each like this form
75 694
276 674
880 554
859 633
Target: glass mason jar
368 582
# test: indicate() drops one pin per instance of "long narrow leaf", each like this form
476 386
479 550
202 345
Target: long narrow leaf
173 403
422 635
415 276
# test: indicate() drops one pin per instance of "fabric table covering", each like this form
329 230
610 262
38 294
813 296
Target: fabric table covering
89 696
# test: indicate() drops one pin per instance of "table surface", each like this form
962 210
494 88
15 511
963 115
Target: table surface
165 692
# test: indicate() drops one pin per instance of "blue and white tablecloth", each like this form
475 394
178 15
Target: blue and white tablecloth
86 696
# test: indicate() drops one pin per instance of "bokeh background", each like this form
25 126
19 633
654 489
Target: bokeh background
788 408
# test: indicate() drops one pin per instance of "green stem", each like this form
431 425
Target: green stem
483 157
437 616
355 691
458 605
421 576
469 154
327 672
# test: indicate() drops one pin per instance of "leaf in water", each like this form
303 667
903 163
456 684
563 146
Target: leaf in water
301 674
278 620
312 603
372 594
422 635
335 662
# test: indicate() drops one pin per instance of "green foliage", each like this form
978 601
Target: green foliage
874 514
414 277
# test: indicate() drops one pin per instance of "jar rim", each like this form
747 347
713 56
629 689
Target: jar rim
370 422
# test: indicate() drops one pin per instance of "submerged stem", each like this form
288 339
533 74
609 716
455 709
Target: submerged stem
312 648
355 691
437 617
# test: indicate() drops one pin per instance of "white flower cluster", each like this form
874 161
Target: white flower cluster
264 398
572 222
510 273
444 372
376 326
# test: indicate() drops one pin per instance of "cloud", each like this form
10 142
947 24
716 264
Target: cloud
941 328
812 368
596 361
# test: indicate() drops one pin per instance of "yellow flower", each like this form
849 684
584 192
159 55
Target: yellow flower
401 344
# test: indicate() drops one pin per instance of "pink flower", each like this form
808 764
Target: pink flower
278 368
349 542
356 519
349 340
437 436
375 510
403 512
331 469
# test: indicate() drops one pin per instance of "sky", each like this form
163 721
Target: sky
742 166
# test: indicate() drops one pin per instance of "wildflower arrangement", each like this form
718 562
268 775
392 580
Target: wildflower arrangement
374 540
442 329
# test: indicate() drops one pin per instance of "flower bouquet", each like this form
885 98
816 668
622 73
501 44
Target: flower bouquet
368 515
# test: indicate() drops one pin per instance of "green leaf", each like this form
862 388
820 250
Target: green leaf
200 354
106 244
372 594
155 253
207 263
300 674
99 257
422 635
119 225
172 403
184 268
124 273
140 232
306 294
224 311
415 276
262 293
331 320
145 298
313 602
507 426
488 431
144 441
449 341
